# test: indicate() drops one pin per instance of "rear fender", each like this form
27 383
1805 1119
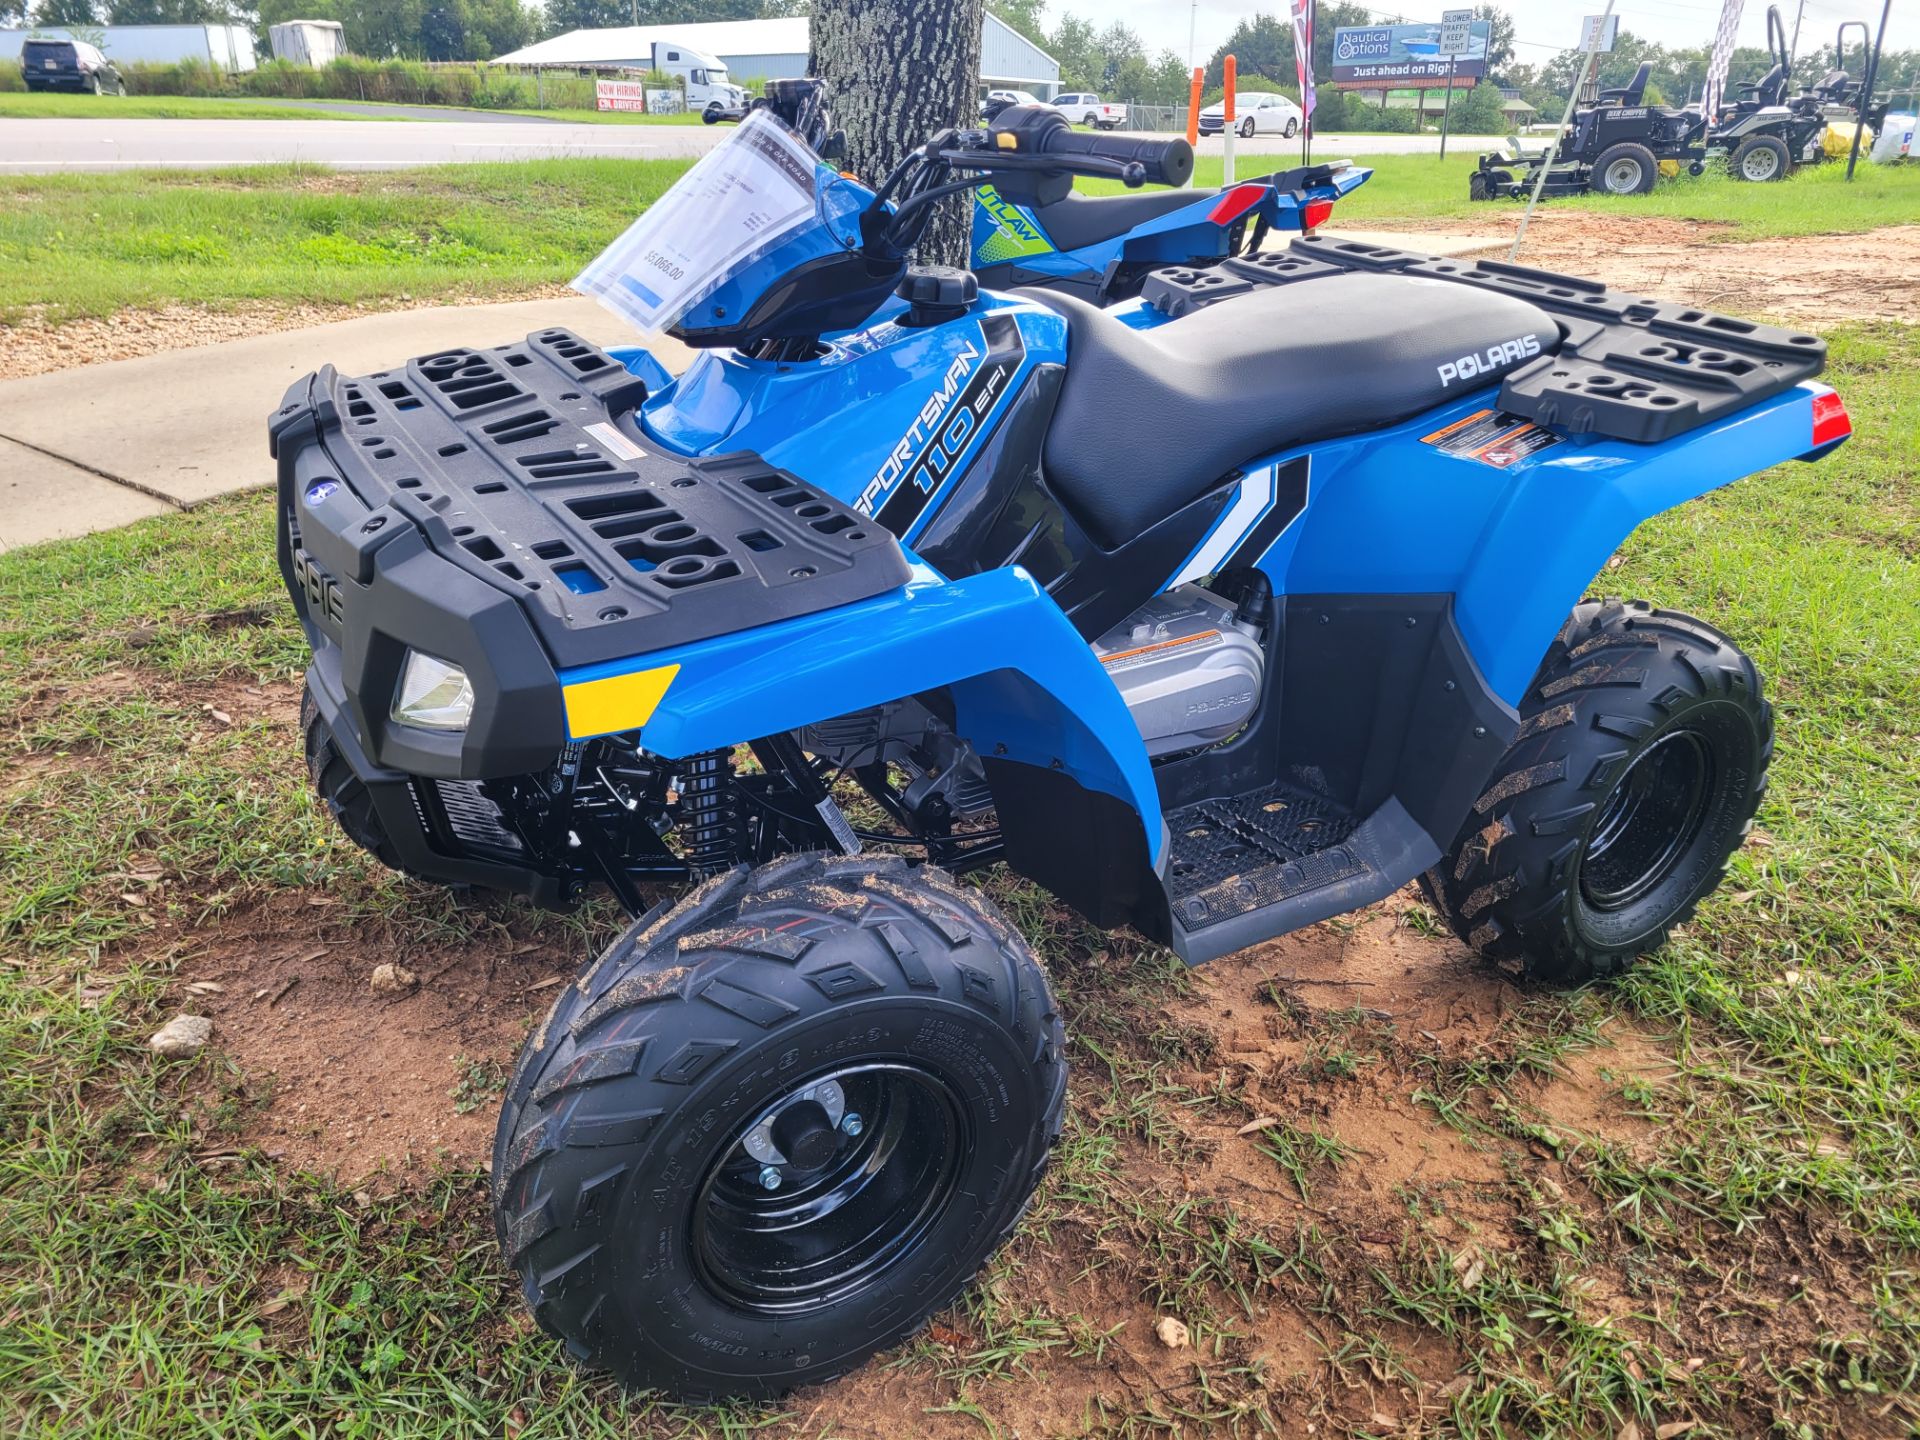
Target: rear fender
1555 531
1024 684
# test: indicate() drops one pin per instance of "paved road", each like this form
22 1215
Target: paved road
43 146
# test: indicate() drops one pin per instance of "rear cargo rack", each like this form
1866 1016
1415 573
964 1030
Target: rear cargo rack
524 465
1629 368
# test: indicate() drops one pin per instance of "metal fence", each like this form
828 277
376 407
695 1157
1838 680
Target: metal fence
1169 118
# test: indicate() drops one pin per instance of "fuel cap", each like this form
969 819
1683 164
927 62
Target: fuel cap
937 293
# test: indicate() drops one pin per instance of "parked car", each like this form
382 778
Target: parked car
69 65
998 100
1089 109
1255 112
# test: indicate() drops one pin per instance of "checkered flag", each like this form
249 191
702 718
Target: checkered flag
1722 56
1303 52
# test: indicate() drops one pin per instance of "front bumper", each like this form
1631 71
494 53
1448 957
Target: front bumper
486 508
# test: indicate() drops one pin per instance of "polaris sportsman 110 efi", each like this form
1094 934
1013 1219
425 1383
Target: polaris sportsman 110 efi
1218 613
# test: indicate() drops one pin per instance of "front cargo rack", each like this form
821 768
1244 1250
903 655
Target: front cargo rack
524 466
1629 368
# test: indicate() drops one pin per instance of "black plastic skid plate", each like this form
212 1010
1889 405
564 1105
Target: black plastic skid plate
1629 368
523 466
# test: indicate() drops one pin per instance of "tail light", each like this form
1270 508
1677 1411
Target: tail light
1315 213
1830 419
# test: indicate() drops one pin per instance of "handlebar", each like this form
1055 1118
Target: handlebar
1163 162
1038 139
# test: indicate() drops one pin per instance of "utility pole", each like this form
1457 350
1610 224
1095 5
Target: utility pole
1193 24
1793 45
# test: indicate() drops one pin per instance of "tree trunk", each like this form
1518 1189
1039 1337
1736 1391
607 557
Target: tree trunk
898 71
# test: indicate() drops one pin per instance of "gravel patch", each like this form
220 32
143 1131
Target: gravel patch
34 347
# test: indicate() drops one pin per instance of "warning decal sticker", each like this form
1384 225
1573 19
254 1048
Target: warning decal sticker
1493 437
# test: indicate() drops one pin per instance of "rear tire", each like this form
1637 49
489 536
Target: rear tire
629 1169
1293 129
1760 158
1625 169
1641 759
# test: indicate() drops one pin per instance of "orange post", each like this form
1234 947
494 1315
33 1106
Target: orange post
1231 75
1193 105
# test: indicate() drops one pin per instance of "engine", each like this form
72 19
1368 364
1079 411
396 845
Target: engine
1188 667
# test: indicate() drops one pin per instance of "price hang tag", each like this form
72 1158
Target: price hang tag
747 193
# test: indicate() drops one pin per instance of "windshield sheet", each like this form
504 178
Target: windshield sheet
745 195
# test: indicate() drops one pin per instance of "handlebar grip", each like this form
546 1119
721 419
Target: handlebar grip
1167 162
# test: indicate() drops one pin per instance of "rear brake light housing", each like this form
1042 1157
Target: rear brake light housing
1830 419
1235 203
1315 213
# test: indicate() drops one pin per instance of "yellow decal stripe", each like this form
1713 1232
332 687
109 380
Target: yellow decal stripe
619 702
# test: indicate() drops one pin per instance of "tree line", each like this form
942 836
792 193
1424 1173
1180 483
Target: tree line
402 29
1112 60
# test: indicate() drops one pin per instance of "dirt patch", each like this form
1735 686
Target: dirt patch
347 1081
34 346
1798 278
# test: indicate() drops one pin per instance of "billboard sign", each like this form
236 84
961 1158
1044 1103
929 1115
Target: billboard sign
1382 57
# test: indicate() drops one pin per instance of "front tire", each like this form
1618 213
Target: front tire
1760 158
1641 759
675 1176
340 790
1247 128
710 115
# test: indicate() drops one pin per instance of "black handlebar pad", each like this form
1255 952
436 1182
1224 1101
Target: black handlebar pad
1167 162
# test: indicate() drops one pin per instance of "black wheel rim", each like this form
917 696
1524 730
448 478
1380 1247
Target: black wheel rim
1651 819
835 1226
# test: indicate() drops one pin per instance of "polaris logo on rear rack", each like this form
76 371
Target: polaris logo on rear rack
947 425
1486 361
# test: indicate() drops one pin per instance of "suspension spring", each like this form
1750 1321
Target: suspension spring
709 813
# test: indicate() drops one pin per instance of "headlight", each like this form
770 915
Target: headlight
433 694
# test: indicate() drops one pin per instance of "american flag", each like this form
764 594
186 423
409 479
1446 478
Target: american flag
1722 55
1303 51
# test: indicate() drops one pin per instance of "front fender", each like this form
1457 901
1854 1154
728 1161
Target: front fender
1024 684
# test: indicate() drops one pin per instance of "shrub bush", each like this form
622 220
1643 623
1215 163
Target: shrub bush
352 77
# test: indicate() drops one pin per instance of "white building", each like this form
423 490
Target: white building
773 50
224 47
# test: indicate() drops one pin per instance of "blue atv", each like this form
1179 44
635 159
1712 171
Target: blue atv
1033 229
1233 607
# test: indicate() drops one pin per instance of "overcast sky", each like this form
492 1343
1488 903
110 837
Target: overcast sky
1547 24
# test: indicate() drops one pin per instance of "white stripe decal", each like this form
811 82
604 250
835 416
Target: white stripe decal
1253 501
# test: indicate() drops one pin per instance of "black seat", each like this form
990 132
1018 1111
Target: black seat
1087 220
1633 91
1149 420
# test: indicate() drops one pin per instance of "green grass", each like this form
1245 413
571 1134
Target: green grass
94 244
42 106
1755 1245
1815 200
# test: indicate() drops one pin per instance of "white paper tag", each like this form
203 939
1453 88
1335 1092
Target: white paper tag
743 195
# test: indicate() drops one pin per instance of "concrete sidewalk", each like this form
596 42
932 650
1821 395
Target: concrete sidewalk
104 445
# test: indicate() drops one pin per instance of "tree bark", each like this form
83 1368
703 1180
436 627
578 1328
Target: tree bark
898 71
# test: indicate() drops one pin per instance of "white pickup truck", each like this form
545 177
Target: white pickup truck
1088 109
